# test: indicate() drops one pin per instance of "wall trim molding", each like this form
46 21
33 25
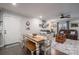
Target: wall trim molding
11 44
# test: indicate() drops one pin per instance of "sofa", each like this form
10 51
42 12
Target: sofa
70 34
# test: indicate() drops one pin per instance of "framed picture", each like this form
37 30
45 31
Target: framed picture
74 24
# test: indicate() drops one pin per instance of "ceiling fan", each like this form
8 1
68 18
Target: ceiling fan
65 16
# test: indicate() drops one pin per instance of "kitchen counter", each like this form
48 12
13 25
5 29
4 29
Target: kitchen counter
70 47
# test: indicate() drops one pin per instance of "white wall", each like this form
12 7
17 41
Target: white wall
15 26
53 25
34 25
76 28
12 25
1 30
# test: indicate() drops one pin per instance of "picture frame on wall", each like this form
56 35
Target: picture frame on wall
74 25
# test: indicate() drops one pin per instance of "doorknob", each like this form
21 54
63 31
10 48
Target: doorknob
4 31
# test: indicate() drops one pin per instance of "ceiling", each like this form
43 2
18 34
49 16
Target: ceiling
47 10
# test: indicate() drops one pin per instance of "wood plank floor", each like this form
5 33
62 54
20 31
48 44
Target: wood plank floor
17 50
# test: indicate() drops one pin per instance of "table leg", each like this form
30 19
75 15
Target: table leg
37 49
32 52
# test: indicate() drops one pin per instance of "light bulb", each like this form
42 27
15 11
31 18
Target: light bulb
13 3
40 16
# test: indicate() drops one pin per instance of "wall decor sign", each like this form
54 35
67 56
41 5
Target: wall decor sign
28 28
27 23
43 24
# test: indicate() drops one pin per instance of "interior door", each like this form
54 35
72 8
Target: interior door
11 29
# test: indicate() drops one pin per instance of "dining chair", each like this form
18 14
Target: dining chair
60 38
46 47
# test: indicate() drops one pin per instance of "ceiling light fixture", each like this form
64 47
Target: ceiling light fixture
13 3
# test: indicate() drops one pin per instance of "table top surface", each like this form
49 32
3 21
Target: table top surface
37 38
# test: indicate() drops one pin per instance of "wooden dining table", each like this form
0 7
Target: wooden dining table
37 40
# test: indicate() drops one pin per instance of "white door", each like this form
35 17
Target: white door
11 29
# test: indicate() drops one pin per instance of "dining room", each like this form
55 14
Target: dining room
39 29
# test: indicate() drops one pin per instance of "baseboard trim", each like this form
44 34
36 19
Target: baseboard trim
11 44
1 45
